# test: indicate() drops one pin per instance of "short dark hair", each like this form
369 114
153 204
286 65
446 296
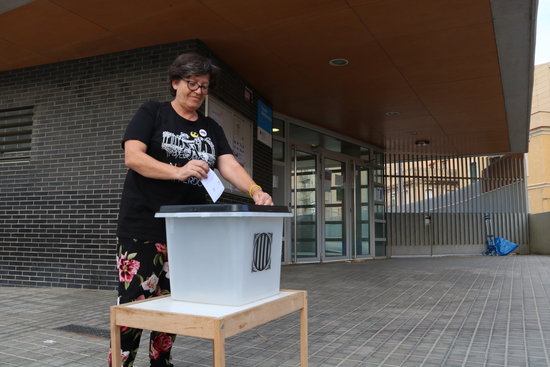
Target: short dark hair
190 64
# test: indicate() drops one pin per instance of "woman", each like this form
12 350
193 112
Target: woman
168 147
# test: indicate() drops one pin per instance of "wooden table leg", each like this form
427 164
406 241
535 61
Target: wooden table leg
115 341
219 346
303 334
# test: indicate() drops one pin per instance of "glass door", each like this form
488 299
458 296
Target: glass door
361 200
379 209
304 206
334 214
331 199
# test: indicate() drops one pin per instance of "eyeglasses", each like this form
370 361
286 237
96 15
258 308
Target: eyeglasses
194 86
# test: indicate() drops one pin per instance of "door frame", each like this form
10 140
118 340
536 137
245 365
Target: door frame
348 213
347 202
292 148
357 162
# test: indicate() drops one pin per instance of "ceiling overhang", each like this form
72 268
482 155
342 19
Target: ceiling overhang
455 73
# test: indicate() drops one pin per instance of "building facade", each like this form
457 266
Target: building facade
62 168
343 85
538 169
62 164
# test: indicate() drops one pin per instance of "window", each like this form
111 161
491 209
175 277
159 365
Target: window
429 193
15 134
278 151
278 127
473 170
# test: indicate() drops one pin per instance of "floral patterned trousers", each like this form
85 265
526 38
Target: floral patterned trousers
143 273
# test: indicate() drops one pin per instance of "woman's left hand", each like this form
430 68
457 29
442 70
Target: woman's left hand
261 198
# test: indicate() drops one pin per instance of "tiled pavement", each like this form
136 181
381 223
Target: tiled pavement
447 311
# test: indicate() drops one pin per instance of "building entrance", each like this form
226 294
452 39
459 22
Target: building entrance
334 188
329 197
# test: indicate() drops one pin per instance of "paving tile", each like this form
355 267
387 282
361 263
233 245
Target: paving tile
448 311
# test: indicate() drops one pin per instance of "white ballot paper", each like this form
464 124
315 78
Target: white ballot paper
213 185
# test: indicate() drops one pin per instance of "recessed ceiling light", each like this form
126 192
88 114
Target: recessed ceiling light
392 113
422 143
338 62
275 130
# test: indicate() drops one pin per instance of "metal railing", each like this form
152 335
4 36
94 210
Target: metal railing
438 203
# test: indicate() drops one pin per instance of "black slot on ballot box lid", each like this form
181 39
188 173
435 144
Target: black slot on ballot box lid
209 208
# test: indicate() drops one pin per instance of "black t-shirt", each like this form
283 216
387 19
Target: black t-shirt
174 140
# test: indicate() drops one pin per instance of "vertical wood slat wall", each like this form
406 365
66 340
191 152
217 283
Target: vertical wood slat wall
442 201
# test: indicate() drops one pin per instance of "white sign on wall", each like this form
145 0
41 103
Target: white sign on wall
238 131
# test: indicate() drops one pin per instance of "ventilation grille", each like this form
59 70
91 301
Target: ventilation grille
15 133
86 330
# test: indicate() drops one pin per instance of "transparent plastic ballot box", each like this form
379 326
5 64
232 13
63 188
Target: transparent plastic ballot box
226 254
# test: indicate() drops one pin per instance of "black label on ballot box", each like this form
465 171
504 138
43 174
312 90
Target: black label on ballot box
261 255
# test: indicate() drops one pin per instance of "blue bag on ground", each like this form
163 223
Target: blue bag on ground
503 246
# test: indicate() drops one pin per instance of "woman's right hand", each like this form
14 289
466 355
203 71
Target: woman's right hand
194 168
137 159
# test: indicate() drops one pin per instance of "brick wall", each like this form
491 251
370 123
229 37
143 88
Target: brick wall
58 210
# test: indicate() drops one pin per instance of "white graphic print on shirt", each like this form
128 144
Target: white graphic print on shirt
183 146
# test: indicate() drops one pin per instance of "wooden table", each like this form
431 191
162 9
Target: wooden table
208 321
